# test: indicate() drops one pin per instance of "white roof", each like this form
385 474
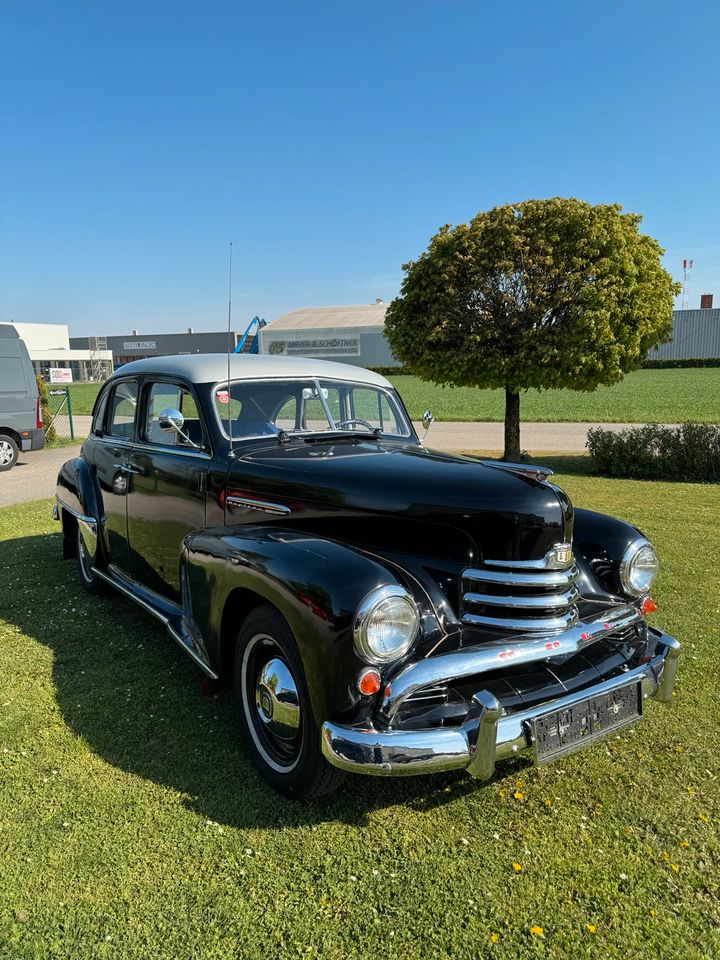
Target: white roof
213 368
313 318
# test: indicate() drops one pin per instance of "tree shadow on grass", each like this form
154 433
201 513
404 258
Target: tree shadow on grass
136 699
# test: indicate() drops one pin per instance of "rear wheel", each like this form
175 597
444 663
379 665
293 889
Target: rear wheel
9 452
89 580
274 707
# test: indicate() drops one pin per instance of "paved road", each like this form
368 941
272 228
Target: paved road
34 475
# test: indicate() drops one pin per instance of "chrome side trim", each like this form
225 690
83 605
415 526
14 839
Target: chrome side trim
553 578
162 617
493 655
485 737
264 506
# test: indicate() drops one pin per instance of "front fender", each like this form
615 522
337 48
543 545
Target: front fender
599 542
315 583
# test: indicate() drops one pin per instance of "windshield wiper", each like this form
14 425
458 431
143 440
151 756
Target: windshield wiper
315 435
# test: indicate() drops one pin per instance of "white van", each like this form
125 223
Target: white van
20 418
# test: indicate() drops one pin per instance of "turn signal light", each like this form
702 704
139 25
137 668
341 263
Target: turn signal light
648 605
369 682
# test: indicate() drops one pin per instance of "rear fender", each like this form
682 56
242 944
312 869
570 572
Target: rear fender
78 496
316 584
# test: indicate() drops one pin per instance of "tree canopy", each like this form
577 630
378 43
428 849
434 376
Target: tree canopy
554 293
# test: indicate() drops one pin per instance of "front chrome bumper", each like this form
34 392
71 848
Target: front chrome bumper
486 736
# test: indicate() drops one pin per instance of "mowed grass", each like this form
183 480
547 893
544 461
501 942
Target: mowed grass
660 396
133 826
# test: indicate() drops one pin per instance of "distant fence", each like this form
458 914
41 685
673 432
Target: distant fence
60 408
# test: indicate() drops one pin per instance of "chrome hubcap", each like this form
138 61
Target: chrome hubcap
276 700
6 452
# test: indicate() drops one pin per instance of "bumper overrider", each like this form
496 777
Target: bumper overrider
488 733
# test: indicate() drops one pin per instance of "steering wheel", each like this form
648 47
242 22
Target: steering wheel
346 423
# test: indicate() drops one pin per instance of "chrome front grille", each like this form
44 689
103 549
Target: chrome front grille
522 596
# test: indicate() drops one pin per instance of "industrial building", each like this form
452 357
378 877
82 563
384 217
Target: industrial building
136 346
51 350
350 334
695 335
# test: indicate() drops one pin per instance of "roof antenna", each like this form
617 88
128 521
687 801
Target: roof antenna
228 349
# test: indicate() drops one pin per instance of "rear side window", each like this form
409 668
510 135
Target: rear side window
123 405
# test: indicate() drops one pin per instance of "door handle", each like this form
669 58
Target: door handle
126 468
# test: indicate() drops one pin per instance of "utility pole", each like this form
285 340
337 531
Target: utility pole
687 267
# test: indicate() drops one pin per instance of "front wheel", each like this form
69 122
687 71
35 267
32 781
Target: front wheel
275 712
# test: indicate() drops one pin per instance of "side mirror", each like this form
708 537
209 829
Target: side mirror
427 421
171 421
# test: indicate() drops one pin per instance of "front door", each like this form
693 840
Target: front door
166 498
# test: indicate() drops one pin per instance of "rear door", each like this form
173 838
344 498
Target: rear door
168 483
111 451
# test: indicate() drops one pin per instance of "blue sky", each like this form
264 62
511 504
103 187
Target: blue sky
329 141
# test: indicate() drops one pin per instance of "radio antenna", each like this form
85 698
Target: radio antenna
229 330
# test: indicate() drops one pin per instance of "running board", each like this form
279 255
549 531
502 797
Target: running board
168 613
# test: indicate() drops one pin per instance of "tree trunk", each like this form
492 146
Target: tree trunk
512 425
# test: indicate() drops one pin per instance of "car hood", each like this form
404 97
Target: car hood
507 513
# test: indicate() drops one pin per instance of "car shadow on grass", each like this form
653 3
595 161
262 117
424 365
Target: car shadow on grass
134 697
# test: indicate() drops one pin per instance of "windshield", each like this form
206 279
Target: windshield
257 408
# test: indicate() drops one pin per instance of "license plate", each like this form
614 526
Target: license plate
570 728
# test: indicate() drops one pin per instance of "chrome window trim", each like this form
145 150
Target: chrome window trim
355 383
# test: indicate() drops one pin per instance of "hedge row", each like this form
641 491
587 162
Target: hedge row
689 452
678 364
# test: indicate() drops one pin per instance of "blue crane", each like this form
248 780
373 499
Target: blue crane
254 343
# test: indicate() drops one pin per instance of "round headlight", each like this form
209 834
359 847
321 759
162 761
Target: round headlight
385 624
638 568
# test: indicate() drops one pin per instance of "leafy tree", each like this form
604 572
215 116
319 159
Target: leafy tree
546 293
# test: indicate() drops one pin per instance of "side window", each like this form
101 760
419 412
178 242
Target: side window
171 396
314 412
374 406
100 407
121 416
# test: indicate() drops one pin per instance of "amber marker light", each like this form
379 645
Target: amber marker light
648 605
369 682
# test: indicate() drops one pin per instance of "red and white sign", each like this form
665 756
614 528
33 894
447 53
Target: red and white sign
222 396
61 375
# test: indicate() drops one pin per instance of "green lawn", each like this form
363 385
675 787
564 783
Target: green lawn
133 826
662 396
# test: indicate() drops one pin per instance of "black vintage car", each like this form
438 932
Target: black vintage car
379 607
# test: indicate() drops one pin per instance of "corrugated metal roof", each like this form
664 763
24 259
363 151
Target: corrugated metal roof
317 318
695 335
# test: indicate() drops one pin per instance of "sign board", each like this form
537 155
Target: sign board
61 375
299 345
140 345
